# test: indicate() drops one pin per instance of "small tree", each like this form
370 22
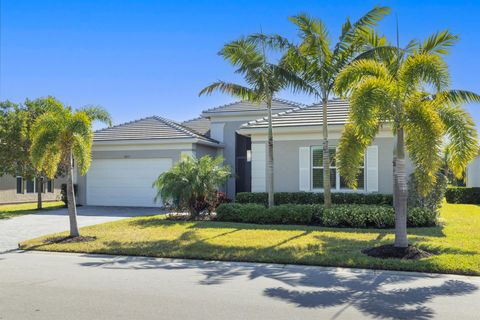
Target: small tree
192 184
16 124
60 135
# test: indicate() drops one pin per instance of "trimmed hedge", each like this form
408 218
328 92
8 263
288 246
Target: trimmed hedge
357 216
314 198
463 195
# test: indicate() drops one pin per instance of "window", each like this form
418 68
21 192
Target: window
19 185
337 183
30 185
50 186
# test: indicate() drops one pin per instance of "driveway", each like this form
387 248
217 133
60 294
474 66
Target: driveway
38 285
17 229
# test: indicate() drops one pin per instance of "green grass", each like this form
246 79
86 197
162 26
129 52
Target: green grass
456 242
13 210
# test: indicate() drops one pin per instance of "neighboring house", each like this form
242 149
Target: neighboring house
20 190
473 173
127 158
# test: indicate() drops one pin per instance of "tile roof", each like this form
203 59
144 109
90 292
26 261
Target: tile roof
200 125
149 128
245 106
337 113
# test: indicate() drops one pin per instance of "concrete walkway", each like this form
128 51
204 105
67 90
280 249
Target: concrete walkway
17 229
50 286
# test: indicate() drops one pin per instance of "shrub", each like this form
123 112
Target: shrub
433 201
314 198
63 192
357 216
463 195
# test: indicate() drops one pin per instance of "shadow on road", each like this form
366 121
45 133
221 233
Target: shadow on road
382 294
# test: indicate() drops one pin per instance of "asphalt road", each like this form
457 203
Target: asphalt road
69 286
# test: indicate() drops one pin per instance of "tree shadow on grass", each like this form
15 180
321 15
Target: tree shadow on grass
380 294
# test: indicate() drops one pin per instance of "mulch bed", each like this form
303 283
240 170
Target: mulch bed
389 251
69 239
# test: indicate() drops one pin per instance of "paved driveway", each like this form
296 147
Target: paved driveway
53 286
15 230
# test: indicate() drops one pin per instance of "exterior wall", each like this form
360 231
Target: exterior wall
202 150
286 163
8 191
473 173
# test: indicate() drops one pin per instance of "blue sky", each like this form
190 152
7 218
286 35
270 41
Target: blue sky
140 58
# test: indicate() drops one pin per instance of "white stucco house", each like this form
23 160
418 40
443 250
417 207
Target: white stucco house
127 158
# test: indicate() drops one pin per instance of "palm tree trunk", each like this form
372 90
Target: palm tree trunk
39 193
72 208
327 192
400 193
270 185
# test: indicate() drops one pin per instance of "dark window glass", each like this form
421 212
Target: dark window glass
19 185
317 178
360 181
50 185
30 186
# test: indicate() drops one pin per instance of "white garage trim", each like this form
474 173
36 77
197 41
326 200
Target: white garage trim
124 182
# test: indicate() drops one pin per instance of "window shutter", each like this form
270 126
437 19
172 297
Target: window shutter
304 168
372 169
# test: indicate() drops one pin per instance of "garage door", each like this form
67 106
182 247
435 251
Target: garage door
124 182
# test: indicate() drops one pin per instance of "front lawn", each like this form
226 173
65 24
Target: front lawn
456 243
13 210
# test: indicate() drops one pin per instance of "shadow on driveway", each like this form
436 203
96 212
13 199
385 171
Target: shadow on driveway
91 211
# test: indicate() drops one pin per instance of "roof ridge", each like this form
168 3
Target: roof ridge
193 119
278 114
281 100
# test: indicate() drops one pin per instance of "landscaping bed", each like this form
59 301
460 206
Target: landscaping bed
455 243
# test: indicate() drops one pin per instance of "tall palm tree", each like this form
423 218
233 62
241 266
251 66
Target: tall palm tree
393 90
61 135
264 79
319 62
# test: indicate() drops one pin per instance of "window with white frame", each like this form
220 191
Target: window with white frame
336 181
30 185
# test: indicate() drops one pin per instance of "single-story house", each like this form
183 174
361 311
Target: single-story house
22 190
127 158
473 173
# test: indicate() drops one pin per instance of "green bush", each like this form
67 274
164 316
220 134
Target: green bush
357 216
463 195
314 198
433 200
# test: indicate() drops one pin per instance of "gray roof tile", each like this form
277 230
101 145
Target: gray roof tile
200 125
246 106
147 129
337 113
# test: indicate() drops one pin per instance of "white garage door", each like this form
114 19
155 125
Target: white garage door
124 182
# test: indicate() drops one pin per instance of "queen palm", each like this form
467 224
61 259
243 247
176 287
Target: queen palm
61 135
264 79
318 62
408 90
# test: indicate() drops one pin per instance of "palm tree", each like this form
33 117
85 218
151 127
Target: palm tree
264 80
319 62
61 135
393 90
192 183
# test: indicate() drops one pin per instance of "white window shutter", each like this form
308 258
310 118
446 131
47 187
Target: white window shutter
371 169
259 163
304 167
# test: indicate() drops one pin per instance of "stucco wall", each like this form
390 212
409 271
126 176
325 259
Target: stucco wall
202 150
8 191
473 173
286 163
